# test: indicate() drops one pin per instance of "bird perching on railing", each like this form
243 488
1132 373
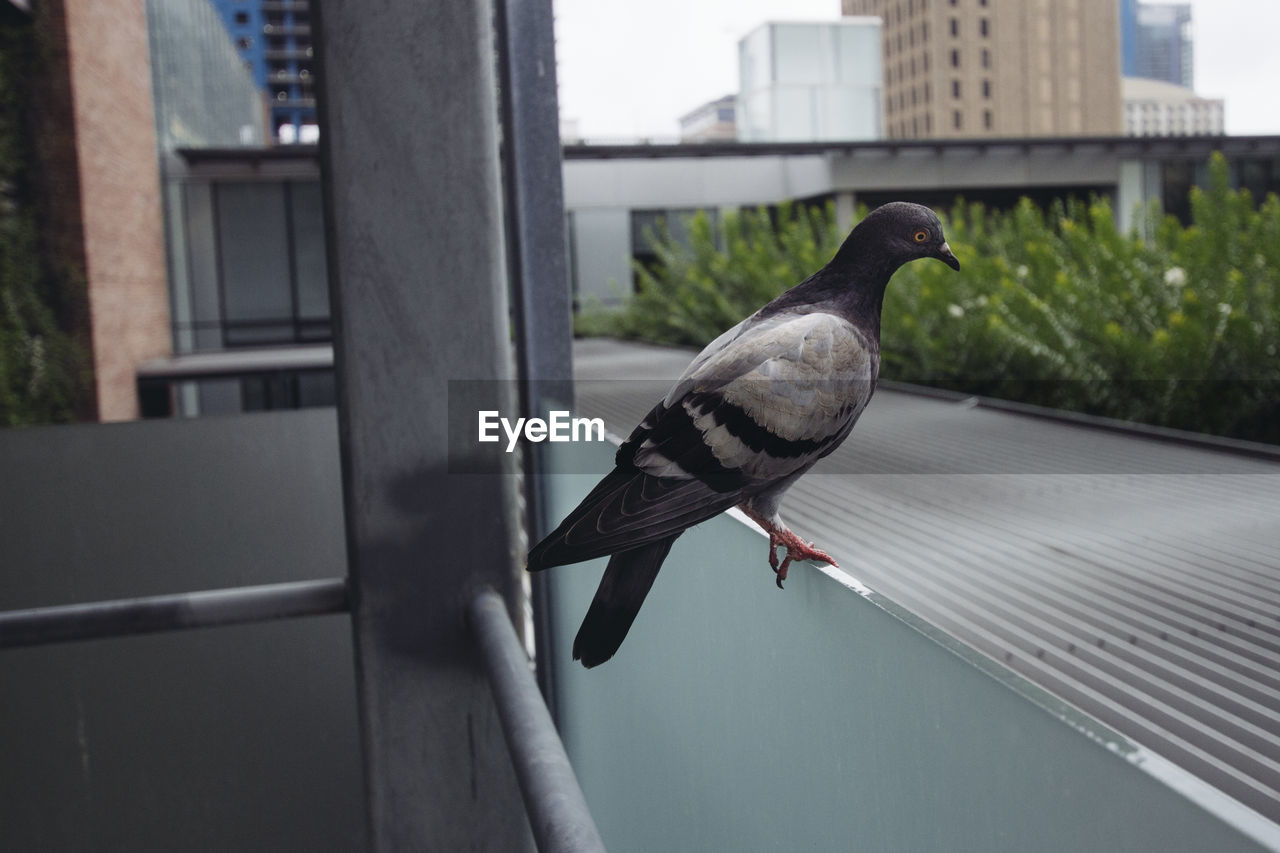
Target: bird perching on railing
752 413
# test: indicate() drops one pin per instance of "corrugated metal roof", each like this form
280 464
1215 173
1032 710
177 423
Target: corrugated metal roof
1134 577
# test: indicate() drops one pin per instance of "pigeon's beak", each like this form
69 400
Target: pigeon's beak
945 255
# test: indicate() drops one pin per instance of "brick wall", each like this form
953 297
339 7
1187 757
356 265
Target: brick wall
119 184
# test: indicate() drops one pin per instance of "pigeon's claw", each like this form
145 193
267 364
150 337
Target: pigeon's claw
781 536
781 574
797 549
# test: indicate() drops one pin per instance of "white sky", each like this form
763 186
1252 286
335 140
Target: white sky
630 69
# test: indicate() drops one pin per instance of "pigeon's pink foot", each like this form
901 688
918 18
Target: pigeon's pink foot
797 548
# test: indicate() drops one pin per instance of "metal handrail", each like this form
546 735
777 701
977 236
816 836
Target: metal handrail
553 800
124 617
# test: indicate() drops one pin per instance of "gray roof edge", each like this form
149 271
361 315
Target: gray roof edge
1207 441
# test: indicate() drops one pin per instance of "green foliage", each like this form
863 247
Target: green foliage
42 368
1063 310
1056 308
701 286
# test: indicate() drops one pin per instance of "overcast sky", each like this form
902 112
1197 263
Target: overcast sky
630 69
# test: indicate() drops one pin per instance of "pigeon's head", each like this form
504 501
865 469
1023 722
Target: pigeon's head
906 232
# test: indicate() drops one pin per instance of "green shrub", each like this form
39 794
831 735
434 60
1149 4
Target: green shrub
703 285
1061 309
1056 308
44 375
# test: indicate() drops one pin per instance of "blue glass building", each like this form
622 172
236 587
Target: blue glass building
274 39
1155 42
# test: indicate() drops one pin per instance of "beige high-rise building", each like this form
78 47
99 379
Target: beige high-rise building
998 68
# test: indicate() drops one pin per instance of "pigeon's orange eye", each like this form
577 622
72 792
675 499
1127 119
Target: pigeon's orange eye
920 236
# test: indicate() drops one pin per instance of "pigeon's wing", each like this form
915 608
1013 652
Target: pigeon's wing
630 508
772 401
752 409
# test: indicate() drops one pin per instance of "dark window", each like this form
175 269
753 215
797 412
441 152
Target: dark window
955 59
274 391
955 27
986 58
957 120
986 88
649 224
986 119
273 277
244 42
155 400
984 28
242 18
955 88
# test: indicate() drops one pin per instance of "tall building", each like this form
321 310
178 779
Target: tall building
998 68
1162 44
802 82
1129 38
274 39
203 95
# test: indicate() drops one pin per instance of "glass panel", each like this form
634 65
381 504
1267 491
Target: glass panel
253 248
858 59
799 52
202 257
308 251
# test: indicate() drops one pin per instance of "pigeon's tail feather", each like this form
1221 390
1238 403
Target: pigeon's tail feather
622 590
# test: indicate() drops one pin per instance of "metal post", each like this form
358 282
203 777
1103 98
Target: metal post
557 809
410 167
540 292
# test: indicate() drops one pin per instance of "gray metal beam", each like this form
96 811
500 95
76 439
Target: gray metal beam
409 162
540 292
557 809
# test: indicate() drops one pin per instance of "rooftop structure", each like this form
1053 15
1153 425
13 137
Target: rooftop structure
713 121
802 82
1157 108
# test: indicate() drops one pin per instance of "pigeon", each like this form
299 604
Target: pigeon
752 413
